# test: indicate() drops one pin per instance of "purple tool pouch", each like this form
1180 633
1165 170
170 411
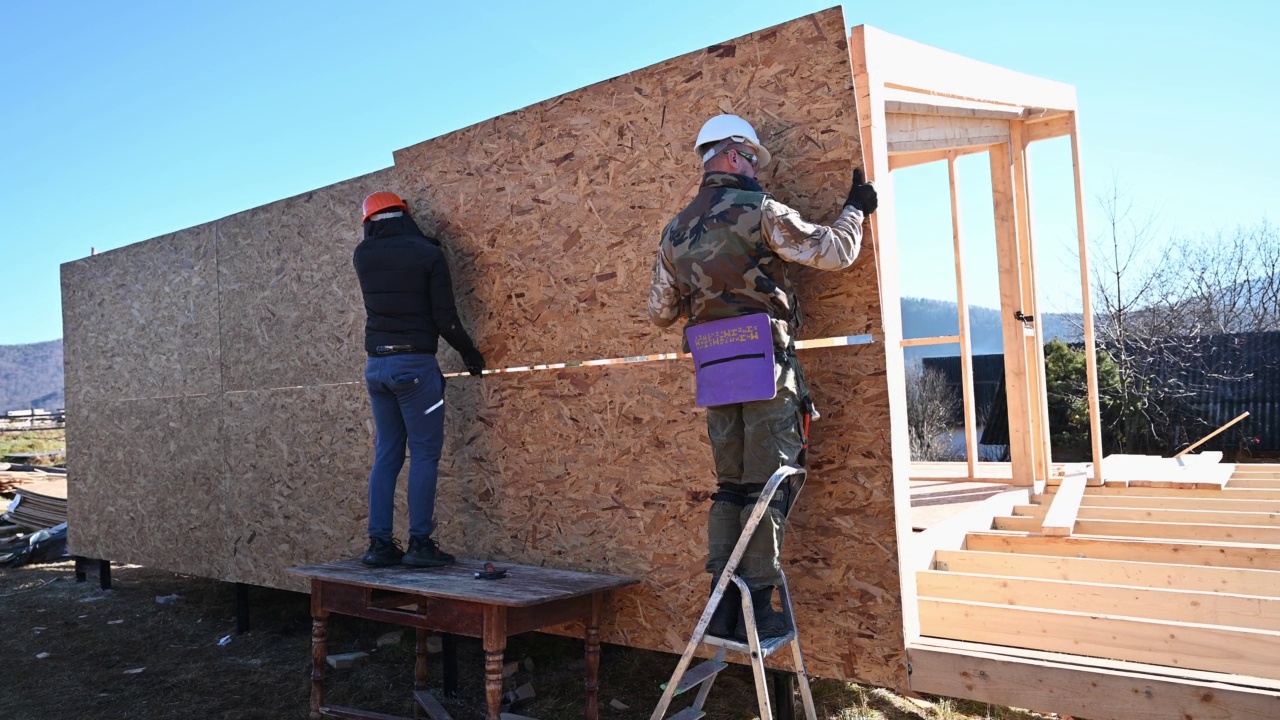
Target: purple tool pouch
733 360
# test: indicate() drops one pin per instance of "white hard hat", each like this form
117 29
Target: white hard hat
725 127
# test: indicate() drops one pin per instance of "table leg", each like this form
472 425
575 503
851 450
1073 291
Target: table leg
420 670
593 657
319 648
495 646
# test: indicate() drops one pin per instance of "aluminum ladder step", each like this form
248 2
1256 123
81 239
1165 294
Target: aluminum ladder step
698 675
688 714
768 646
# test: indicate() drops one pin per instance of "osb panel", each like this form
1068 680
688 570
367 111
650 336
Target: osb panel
297 479
291 308
551 215
142 321
148 485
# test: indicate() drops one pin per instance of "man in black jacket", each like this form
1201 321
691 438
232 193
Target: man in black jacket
408 301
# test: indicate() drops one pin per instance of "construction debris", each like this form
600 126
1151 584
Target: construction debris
392 638
617 704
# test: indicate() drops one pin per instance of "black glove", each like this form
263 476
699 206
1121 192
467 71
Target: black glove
473 360
863 194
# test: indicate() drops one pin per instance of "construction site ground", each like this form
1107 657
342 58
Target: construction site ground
72 650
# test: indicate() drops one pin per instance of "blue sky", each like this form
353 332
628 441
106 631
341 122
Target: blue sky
123 121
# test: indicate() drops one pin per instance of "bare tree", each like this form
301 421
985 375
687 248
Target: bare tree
931 407
1161 307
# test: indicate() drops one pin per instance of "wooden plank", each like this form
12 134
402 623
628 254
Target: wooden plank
1146 603
951 533
939 340
1249 483
1115 572
913 66
1051 127
1086 302
1073 690
913 103
914 133
962 312
1017 523
900 160
1213 434
1064 508
1177 644
1181 503
1009 257
1229 493
1250 534
1165 515
1219 554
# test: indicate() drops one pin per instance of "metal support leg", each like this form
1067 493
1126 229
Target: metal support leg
449 663
104 574
242 608
80 573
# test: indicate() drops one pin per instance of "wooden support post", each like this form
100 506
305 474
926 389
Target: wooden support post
1090 344
592 648
1034 339
962 310
495 645
319 648
1017 390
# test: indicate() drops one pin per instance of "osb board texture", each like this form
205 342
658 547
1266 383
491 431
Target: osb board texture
297 480
290 303
148 485
597 468
551 214
142 321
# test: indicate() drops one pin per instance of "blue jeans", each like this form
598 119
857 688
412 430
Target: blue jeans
407 395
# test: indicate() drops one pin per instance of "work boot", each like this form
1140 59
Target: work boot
726 614
382 553
769 622
424 552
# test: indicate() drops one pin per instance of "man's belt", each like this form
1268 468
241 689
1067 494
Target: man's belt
382 350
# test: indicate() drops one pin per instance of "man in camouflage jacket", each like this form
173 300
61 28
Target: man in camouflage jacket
726 255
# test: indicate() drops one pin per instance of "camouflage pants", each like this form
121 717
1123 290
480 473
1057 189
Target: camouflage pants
750 442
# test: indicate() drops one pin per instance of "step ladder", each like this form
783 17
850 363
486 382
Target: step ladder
704 675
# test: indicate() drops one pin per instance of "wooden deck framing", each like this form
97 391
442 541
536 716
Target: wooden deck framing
1162 602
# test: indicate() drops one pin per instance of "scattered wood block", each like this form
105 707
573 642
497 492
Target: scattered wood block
392 638
435 645
617 704
342 661
527 664
510 669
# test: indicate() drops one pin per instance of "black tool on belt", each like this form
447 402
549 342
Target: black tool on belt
491 573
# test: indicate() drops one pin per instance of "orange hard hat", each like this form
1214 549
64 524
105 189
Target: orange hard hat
382 200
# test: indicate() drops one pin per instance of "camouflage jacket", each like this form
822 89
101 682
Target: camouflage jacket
726 255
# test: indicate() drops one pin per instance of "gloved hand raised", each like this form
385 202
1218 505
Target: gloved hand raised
863 194
473 360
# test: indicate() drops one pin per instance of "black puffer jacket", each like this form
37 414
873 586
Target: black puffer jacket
408 296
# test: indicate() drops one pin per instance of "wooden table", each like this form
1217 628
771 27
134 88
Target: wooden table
452 600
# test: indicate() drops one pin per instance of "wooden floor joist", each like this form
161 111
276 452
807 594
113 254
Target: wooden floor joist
1178 503
1226 493
1167 515
1212 554
1175 605
1066 688
1113 572
1176 644
1250 534
1253 483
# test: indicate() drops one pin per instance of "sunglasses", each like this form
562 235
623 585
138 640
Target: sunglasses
749 157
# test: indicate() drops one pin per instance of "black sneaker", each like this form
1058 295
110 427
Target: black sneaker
424 552
382 553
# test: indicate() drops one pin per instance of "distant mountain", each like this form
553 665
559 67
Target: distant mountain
933 318
31 376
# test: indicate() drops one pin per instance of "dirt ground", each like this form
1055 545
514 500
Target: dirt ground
71 650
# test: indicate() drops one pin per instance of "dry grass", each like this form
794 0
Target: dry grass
93 638
33 441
